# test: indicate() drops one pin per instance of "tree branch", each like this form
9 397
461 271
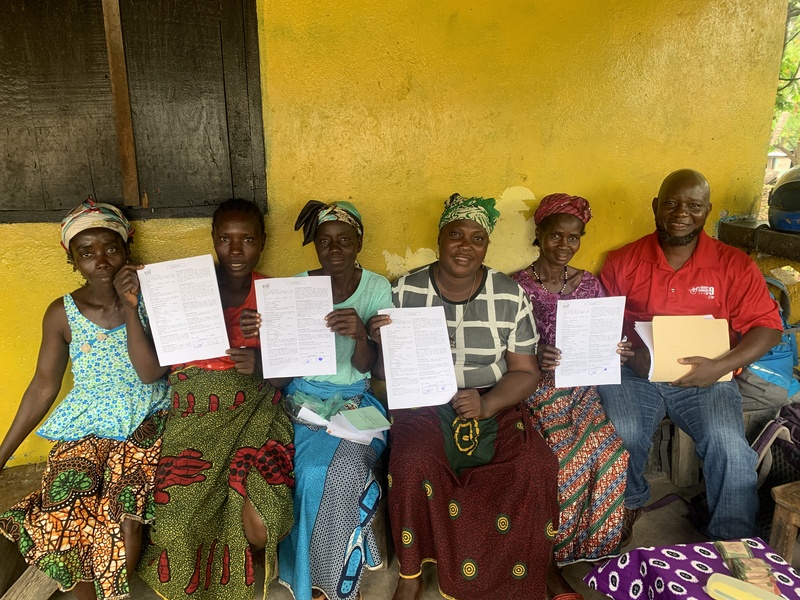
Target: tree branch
790 153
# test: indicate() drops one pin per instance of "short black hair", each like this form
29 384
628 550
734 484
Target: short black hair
239 205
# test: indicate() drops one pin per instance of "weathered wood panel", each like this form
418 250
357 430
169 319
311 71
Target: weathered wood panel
243 93
56 126
193 74
177 94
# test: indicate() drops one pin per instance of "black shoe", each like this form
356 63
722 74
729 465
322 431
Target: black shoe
631 515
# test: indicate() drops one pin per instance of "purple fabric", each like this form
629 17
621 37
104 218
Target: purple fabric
679 571
544 302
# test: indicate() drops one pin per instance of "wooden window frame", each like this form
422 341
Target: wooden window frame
245 130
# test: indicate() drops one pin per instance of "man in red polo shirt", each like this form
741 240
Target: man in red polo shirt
679 270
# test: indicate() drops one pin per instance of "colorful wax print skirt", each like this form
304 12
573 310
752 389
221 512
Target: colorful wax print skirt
490 528
592 466
335 501
227 439
70 529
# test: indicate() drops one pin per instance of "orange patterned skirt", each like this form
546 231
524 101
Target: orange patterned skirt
592 467
70 529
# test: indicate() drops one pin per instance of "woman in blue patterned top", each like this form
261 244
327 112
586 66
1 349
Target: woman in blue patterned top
83 528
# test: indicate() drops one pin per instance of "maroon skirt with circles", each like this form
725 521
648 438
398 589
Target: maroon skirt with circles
490 529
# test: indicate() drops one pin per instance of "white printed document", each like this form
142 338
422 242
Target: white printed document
185 310
587 333
417 359
295 341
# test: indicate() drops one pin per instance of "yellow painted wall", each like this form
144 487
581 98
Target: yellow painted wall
396 105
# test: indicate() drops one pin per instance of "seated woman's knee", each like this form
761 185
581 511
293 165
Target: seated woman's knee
254 529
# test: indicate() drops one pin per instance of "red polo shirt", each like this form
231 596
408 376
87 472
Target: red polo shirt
717 280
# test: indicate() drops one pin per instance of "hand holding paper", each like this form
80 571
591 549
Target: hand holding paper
345 321
126 282
704 372
250 323
549 357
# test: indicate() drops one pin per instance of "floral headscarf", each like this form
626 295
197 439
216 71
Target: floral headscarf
480 210
316 212
90 214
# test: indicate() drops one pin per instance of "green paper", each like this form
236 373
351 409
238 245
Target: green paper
368 418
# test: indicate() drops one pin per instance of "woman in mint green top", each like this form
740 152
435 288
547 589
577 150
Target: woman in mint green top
336 493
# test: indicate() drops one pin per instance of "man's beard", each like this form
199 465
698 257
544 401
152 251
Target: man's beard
677 240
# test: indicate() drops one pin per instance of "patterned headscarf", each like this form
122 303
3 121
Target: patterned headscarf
563 204
480 210
90 214
316 212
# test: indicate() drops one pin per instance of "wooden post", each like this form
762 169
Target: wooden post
33 584
685 469
786 519
118 73
12 565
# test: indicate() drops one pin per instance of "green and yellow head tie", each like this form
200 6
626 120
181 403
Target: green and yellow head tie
480 210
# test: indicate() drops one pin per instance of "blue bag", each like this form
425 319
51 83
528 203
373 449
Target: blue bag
776 367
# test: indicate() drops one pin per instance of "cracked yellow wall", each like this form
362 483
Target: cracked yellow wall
396 105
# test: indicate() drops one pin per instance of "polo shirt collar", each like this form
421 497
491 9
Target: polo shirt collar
704 255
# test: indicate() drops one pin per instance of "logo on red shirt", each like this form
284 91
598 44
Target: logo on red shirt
703 290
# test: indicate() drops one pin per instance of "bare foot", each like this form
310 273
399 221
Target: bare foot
408 589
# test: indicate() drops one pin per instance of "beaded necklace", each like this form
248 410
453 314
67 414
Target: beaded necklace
539 280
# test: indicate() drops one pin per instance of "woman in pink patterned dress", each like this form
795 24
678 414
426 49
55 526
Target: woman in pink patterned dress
592 460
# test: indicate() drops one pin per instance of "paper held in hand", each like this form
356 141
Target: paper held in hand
184 309
360 425
417 357
295 342
672 337
587 333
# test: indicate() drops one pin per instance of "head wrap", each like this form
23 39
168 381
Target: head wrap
90 214
480 210
563 204
316 212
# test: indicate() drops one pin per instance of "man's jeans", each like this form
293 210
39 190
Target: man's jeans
712 416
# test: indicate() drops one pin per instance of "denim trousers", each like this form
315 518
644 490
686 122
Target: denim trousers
712 416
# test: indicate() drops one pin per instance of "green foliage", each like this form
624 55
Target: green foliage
786 117
788 84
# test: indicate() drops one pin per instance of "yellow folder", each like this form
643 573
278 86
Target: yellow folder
684 336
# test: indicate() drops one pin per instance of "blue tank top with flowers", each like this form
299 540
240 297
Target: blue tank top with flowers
108 398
